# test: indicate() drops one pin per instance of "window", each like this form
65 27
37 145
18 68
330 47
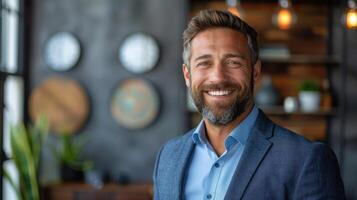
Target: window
11 80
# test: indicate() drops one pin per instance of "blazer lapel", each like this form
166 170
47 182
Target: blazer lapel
183 159
256 148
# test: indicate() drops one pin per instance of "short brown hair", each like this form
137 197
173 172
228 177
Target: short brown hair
213 19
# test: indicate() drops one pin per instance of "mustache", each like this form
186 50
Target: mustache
220 86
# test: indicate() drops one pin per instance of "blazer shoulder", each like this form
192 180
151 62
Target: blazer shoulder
177 142
284 134
296 143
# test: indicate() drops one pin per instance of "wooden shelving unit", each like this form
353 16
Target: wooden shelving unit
279 110
303 59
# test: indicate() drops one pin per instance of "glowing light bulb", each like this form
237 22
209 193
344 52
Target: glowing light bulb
285 19
351 19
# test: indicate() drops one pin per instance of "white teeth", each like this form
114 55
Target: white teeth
219 92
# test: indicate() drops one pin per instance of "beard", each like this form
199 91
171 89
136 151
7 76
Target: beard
222 113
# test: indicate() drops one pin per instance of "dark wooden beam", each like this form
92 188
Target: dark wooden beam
319 2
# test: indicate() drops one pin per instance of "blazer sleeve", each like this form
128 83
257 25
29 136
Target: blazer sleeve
320 176
155 186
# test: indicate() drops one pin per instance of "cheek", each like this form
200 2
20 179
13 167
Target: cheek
241 77
197 78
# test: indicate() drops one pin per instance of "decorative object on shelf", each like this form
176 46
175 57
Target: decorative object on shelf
291 104
63 101
349 18
139 53
274 51
62 51
326 98
135 104
309 96
235 8
25 144
69 156
122 178
267 95
285 17
96 178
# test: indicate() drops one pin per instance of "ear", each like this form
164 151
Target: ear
186 74
257 70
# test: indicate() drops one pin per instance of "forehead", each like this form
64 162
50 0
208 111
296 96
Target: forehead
219 40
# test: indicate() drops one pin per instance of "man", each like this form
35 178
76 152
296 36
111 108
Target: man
236 152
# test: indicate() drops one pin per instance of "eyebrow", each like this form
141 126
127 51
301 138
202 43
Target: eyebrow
235 55
203 57
229 55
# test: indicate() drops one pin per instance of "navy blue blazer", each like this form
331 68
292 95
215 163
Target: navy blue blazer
276 164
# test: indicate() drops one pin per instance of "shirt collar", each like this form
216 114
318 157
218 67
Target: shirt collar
199 135
239 134
242 131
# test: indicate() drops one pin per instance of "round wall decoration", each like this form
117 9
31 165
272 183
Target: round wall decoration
139 53
62 51
63 101
135 104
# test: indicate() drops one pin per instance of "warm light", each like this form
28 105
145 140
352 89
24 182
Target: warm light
285 19
235 8
351 19
236 11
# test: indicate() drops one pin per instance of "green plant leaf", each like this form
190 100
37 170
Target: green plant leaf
26 150
24 161
309 85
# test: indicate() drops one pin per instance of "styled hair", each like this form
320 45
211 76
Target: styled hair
207 19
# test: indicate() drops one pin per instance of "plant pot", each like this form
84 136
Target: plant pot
309 101
69 174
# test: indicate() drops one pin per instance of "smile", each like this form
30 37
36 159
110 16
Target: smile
219 92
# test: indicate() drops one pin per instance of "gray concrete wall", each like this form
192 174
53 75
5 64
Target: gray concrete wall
101 25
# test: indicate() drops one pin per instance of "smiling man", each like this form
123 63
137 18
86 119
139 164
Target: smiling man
236 152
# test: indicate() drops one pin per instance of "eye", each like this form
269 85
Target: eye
233 63
203 64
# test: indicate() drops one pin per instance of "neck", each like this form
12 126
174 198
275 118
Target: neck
216 134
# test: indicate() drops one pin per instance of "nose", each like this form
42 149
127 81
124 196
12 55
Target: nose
218 74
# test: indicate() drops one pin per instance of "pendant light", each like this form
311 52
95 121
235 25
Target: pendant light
350 15
235 8
285 16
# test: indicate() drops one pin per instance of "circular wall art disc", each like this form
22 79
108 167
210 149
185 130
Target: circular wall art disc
64 102
135 104
62 51
139 53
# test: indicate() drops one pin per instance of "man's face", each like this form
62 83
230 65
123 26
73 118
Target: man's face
221 75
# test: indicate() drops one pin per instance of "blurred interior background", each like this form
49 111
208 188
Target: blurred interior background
106 76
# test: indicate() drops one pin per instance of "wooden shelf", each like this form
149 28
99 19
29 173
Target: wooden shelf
279 110
79 191
303 59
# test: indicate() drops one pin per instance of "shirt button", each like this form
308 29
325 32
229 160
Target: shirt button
216 165
209 196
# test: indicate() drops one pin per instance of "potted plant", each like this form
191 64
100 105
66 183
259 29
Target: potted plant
309 96
69 156
26 146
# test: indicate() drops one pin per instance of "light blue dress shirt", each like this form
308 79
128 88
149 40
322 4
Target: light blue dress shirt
208 175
